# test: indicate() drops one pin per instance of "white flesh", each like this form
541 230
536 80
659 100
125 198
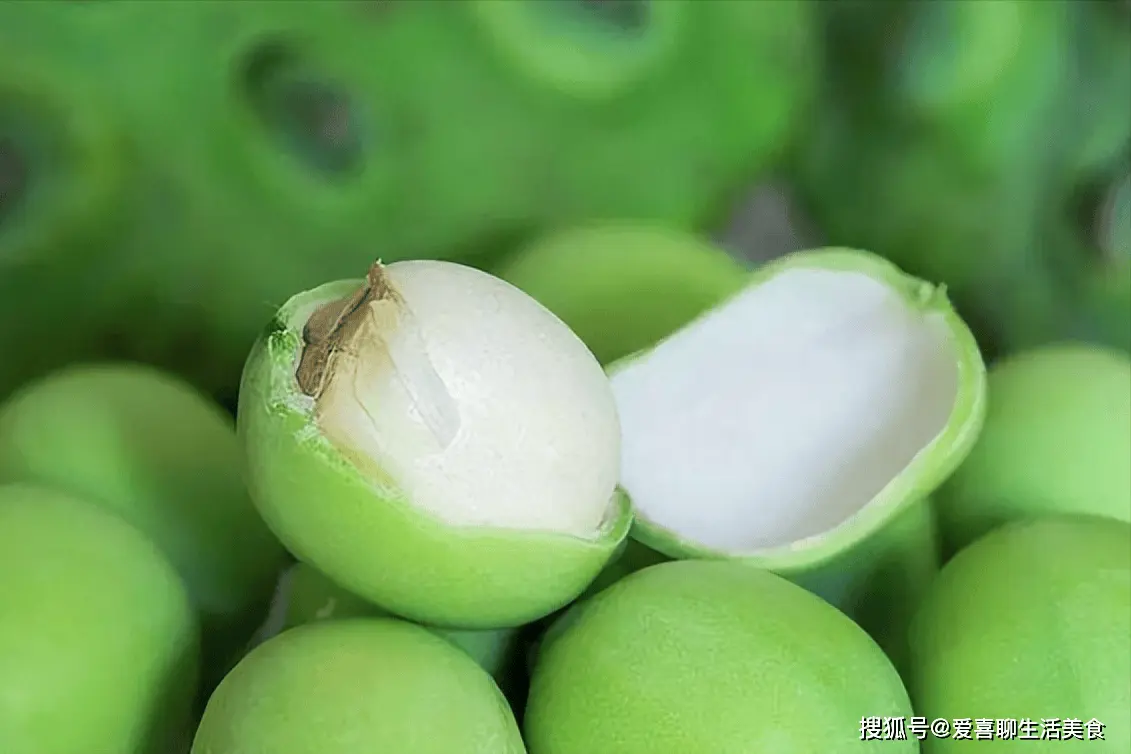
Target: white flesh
785 411
479 404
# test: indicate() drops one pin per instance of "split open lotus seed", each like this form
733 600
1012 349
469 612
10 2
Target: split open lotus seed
436 442
793 423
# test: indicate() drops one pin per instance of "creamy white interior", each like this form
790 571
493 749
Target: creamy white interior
782 413
534 441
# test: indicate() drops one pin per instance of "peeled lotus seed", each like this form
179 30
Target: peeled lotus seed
436 442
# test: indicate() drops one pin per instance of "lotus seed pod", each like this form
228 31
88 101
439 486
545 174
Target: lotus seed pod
593 52
437 443
99 641
178 167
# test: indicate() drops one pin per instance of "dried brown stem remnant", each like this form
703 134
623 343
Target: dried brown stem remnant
333 326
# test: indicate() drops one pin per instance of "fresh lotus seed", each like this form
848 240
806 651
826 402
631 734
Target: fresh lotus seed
792 424
436 442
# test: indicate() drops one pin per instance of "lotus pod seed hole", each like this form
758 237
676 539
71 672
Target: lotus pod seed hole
465 395
310 116
618 16
781 414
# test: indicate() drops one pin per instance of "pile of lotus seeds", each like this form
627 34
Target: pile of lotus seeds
711 510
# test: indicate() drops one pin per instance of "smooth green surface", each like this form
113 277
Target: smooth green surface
98 638
148 447
701 657
1030 622
879 585
368 538
192 164
623 287
313 597
1057 439
353 686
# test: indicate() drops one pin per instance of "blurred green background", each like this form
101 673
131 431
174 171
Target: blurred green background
170 172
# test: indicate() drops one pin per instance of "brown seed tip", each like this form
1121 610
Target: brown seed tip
331 327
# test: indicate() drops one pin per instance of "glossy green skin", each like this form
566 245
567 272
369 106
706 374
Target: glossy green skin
313 597
1030 621
1055 440
151 449
98 638
702 657
186 173
622 287
364 533
361 685
880 585
978 148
